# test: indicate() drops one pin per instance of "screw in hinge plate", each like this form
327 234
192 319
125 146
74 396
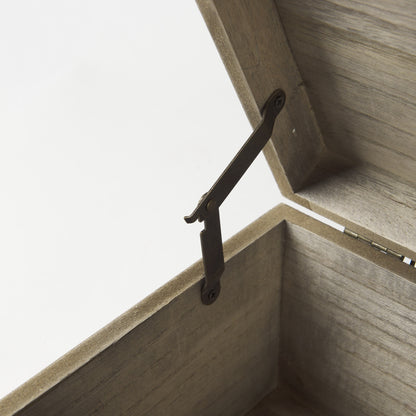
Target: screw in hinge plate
380 247
209 295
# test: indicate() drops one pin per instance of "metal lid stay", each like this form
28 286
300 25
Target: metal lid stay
207 209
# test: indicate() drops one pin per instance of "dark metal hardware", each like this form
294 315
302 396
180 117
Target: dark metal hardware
207 209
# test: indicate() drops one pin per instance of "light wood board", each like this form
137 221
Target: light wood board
172 355
253 46
358 60
372 199
348 339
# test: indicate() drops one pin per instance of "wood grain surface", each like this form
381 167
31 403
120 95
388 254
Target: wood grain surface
184 359
372 199
358 60
348 339
282 402
253 46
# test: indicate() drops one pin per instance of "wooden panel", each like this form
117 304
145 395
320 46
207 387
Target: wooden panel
348 337
347 334
358 60
253 47
282 402
185 358
371 199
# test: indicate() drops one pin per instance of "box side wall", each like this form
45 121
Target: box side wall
188 358
348 339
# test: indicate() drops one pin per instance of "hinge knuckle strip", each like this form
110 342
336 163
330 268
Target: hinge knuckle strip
378 246
350 233
395 254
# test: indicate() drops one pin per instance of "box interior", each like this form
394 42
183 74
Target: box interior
306 323
347 334
348 329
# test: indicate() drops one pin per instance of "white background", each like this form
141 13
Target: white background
115 117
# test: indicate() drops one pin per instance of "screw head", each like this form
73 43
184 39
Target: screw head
212 294
211 205
209 296
280 100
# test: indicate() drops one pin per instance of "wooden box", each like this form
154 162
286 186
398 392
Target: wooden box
310 320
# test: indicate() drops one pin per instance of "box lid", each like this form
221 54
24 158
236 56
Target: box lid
344 145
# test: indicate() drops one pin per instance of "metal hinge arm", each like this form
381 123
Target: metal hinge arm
207 209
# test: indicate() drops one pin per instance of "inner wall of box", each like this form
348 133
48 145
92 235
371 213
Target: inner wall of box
348 330
357 64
